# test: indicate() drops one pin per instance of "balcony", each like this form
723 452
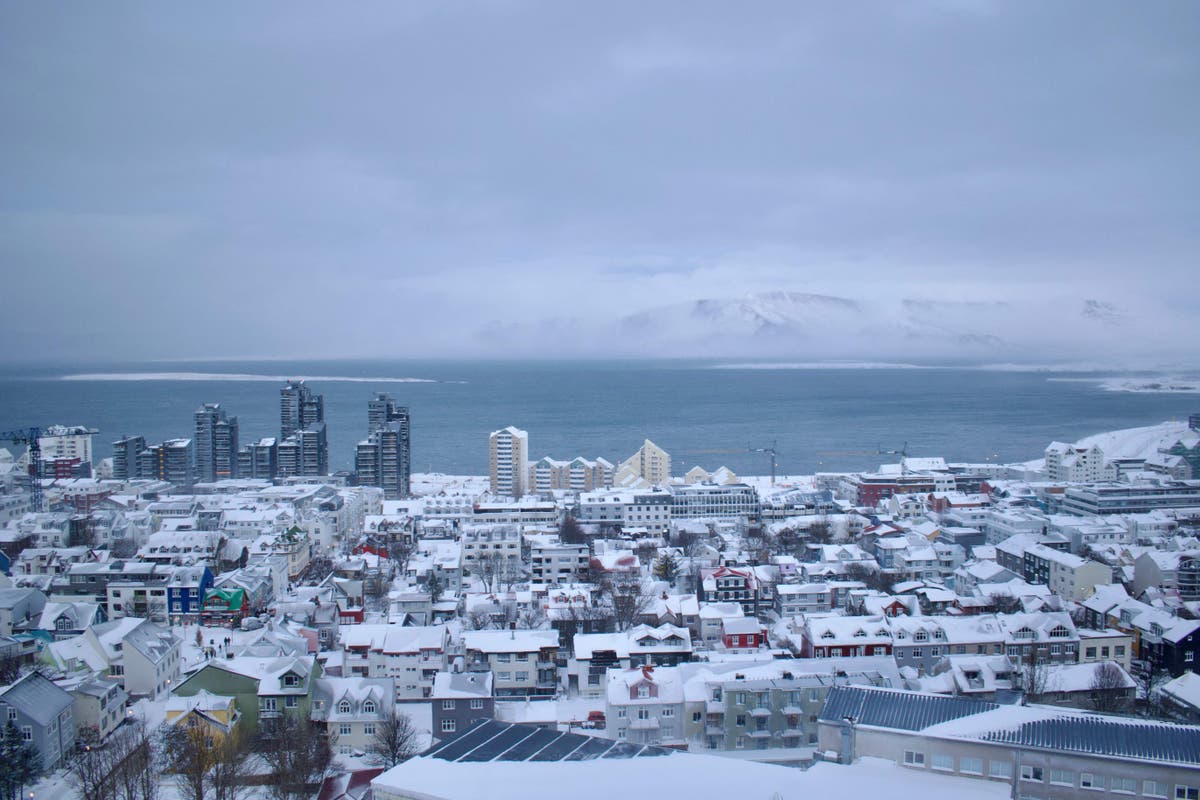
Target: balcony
714 730
760 711
759 734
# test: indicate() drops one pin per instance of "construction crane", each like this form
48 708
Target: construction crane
879 451
32 438
770 451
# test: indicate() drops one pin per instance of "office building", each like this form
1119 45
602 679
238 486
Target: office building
125 457
303 448
216 444
259 460
508 459
299 408
382 460
172 461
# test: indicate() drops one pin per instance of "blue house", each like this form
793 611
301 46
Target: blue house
185 593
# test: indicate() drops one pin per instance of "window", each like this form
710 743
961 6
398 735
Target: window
1124 785
504 658
476 703
668 712
504 676
344 729
369 729
643 692
1088 780
290 701
643 713
447 705
999 769
344 707
970 766
740 742
741 720
27 736
269 704
942 761
448 726
1062 777
1181 792
369 707
740 698
522 676
697 716
12 715
621 713
1154 789
1119 650
1031 773
914 759
1089 653
917 652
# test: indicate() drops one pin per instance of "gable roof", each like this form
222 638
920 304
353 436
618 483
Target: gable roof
37 697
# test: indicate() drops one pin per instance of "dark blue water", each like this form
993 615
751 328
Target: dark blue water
607 409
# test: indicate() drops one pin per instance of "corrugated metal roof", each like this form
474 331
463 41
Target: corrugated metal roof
894 709
38 698
1099 736
489 740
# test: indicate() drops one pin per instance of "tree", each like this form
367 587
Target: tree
230 767
396 740
1108 688
1005 603
1035 673
1149 680
820 531
435 585
10 667
189 751
297 754
20 763
666 567
571 532
627 597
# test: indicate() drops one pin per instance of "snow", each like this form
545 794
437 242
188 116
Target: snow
1137 442
666 776
239 377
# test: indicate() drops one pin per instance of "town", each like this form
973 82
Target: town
242 621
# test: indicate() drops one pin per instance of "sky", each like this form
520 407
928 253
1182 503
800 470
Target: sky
991 180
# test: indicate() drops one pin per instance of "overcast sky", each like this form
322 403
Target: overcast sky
422 179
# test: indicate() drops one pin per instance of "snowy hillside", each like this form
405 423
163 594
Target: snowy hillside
1139 442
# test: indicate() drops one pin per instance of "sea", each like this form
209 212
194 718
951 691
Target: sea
818 418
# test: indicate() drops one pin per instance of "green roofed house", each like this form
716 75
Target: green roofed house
265 689
223 606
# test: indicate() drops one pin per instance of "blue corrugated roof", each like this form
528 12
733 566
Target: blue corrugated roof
1099 736
489 740
893 709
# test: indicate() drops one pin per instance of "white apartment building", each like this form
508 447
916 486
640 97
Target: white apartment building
61 441
508 459
649 509
524 662
1066 463
410 656
481 542
551 561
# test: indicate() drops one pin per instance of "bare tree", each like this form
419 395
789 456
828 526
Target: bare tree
1035 673
10 667
122 768
1149 680
1005 603
627 597
478 621
298 755
188 751
820 531
396 739
230 767
1108 688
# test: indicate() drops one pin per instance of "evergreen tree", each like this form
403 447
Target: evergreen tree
21 763
666 568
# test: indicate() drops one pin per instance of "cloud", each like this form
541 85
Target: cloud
518 177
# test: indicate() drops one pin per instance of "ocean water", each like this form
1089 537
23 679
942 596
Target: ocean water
825 419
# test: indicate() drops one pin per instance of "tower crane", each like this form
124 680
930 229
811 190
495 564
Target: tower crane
770 451
31 437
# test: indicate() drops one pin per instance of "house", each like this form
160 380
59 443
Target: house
264 689
1105 645
1047 636
20 609
713 616
737 585
745 633
224 606
828 635
42 712
352 709
793 599
140 655
217 714
1181 696
524 661
459 700
187 589
922 642
410 656
67 620
643 706
595 653
99 707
